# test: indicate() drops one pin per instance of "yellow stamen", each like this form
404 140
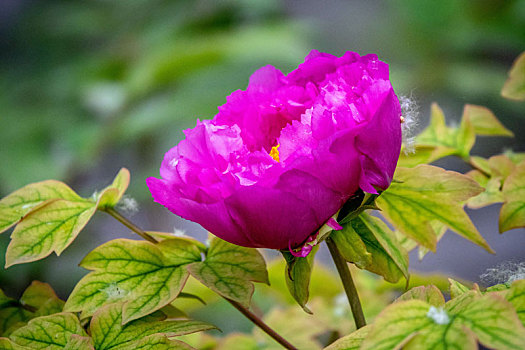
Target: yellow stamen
274 153
402 119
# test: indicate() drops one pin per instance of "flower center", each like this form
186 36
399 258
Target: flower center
274 153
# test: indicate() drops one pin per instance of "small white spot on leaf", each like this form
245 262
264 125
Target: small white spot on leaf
438 315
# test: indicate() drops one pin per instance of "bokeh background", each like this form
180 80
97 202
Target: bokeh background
88 87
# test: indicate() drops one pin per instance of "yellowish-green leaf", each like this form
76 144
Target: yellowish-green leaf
440 337
492 193
514 87
431 294
7 344
52 228
77 342
512 214
134 272
48 332
439 135
155 342
439 228
111 195
387 240
516 296
108 332
12 318
456 288
427 193
21 202
494 322
352 341
397 324
229 270
415 324
484 121
42 297
161 236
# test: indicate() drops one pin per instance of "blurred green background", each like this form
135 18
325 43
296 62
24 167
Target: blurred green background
89 87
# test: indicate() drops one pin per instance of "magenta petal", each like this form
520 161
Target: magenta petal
380 142
281 157
272 218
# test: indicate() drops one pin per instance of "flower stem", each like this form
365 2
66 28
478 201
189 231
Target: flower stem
348 283
250 315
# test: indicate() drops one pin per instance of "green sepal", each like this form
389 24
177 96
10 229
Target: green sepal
229 270
297 275
134 272
368 242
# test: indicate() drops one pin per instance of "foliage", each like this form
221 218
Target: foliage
127 299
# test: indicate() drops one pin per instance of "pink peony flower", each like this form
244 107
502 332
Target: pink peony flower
282 157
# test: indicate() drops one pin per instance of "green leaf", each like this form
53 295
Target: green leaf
297 275
430 294
514 87
77 342
494 322
42 298
352 341
415 324
512 214
516 296
427 193
48 332
228 270
111 195
456 288
387 257
7 344
439 337
439 135
13 317
108 332
155 342
21 202
51 228
492 193
485 122
397 324
134 272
